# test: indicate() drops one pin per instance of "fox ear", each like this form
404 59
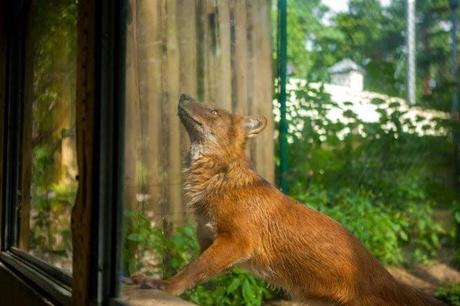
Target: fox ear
254 125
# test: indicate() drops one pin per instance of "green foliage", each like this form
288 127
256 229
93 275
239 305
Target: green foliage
236 287
450 294
456 232
308 38
373 36
382 231
141 237
376 178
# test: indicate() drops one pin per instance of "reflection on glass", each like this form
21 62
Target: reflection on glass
49 164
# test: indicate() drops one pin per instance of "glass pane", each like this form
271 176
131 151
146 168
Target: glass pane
218 52
370 130
370 138
49 163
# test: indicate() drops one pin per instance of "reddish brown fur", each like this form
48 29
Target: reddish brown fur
243 220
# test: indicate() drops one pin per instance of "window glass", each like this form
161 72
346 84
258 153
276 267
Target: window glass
370 131
218 52
370 136
49 162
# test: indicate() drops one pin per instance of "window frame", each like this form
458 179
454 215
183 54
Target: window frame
110 91
100 94
44 276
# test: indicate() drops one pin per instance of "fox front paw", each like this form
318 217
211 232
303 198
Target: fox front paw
147 282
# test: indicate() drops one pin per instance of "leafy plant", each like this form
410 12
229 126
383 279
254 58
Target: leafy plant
142 239
377 227
377 178
449 294
236 287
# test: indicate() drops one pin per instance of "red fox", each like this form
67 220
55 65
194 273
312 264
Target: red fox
244 220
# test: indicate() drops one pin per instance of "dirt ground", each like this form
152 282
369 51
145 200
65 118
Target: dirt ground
427 277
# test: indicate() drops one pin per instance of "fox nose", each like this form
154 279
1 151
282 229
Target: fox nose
184 99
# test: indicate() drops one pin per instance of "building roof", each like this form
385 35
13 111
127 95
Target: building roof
345 65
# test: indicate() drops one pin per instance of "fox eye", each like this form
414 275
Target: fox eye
214 112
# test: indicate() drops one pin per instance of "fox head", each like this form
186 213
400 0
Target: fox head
216 131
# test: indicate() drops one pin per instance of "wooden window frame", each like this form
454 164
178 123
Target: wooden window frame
96 216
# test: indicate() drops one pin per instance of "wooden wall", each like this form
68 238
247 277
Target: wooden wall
218 51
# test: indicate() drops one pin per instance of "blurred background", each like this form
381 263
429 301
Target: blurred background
373 128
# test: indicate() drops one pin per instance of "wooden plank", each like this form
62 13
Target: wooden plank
188 46
216 38
262 81
251 73
171 95
133 130
210 41
81 212
202 49
188 71
223 64
239 47
26 142
150 45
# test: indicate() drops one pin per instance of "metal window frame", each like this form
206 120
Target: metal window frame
110 91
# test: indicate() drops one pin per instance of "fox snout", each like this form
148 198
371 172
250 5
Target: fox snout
184 99
218 130
190 112
188 106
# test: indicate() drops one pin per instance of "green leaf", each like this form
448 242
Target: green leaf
233 285
134 237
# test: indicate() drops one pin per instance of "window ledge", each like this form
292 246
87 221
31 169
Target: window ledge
135 296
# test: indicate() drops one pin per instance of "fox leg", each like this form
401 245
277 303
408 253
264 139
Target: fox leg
221 255
205 236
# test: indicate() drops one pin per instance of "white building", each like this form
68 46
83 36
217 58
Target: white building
348 74
346 90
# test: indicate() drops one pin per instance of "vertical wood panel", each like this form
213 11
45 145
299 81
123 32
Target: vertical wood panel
149 40
239 48
251 47
262 85
81 212
132 113
171 94
202 48
222 54
210 20
187 41
26 145
217 51
188 70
